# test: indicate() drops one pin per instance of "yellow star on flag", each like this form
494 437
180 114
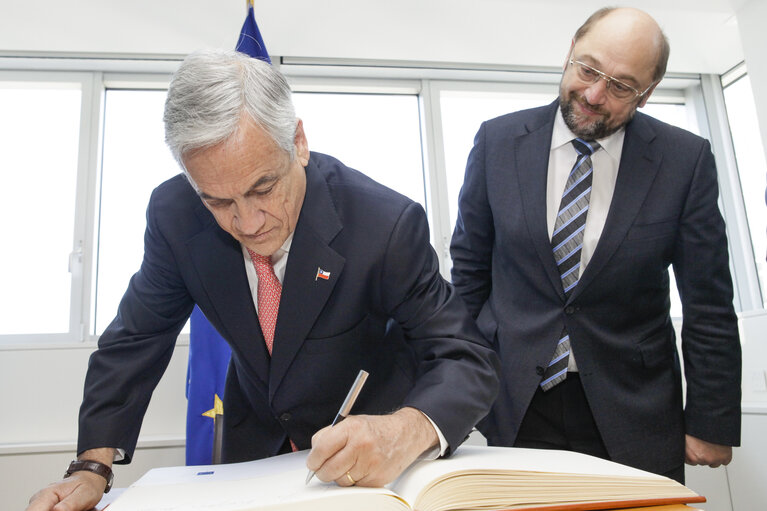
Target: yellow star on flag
218 408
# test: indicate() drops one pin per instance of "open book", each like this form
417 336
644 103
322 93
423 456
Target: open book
474 478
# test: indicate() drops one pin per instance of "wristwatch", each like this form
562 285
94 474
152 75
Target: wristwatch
92 466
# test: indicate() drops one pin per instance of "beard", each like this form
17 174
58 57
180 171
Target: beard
592 130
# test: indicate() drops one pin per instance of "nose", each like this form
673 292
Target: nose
248 219
596 93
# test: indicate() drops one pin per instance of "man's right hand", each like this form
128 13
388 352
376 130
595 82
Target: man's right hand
371 450
79 492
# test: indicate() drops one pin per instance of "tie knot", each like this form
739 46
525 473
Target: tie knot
260 262
587 147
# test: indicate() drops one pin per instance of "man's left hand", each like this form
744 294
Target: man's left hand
700 452
370 450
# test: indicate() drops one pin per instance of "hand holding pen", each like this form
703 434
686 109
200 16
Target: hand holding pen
369 450
346 407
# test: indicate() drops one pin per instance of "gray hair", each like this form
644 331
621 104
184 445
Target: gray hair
213 89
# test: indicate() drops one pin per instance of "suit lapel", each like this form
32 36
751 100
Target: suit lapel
637 170
218 260
304 294
532 171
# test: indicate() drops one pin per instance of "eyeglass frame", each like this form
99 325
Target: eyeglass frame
609 79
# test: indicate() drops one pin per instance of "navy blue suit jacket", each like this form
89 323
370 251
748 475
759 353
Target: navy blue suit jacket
384 308
664 212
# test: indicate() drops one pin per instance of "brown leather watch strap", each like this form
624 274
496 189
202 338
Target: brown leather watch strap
92 466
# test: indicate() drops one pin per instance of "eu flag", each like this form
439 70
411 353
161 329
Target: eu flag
206 373
250 41
208 352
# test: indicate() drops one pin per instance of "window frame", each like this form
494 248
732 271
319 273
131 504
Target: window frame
78 263
702 93
757 291
109 81
710 107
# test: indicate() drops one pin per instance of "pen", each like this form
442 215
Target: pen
346 407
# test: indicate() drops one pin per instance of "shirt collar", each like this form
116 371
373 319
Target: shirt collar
283 250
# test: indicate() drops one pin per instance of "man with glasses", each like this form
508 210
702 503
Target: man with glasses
569 218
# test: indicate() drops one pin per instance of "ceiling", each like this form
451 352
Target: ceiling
704 34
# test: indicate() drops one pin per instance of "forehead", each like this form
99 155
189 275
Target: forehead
619 48
230 168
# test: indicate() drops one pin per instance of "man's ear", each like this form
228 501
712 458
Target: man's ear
301 145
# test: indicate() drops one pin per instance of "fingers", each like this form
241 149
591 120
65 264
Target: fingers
349 447
77 493
700 452
43 500
326 444
372 449
80 492
347 479
335 453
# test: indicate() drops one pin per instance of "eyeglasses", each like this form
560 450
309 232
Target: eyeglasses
616 88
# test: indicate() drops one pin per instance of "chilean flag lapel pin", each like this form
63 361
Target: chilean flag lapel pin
322 274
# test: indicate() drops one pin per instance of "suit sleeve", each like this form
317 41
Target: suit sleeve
457 375
135 349
710 340
472 243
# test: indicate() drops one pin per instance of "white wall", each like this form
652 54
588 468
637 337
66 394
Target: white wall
703 33
43 382
741 485
753 327
42 389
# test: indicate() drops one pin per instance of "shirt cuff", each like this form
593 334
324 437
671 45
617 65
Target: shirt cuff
438 450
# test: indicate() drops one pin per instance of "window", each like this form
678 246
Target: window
752 169
135 161
462 113
377 134
39 139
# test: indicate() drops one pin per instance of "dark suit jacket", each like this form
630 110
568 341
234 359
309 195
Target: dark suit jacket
384 308
664 212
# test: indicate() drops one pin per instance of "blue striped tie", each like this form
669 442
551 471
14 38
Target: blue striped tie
566 243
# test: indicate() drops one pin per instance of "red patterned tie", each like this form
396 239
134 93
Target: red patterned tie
269 290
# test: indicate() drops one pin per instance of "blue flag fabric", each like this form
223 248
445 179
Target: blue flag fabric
250 41
208 352
206 373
